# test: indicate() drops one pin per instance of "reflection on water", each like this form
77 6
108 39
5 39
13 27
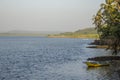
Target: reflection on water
35 58
93 68
104 73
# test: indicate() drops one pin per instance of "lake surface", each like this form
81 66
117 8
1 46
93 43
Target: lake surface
39 58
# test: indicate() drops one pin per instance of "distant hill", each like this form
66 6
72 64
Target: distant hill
82 33
28 33
33 32
86 31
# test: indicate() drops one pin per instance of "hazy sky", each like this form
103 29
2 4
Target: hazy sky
47 15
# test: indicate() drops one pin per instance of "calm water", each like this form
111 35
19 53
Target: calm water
37 58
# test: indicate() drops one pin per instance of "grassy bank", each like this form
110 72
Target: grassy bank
74 36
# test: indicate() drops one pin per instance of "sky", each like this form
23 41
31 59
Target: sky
47 15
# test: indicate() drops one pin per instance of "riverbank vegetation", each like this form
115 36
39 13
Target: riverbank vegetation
107 22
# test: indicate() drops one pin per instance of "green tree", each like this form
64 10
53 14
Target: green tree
107 22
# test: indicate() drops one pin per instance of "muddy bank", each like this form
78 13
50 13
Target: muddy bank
104 58
100 42
98 46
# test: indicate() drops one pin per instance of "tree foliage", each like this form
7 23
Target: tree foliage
107 22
